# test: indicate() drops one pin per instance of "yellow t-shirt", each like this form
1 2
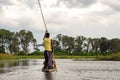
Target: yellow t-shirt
47 44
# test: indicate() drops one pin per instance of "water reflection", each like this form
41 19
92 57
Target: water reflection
7 66
48 76
67 70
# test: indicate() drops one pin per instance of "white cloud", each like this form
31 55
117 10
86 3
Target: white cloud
115 4
93 20
98 7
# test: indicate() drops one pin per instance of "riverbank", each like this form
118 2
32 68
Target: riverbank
112 57
9 56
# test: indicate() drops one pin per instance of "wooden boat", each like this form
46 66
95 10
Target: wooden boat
49 70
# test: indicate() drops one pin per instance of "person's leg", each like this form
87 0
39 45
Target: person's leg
50 59
46 59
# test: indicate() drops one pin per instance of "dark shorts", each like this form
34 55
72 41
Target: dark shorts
48 58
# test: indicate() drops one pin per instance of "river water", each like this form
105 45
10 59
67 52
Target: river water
67 69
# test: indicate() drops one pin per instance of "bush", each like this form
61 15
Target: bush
36 53
2 50
21 53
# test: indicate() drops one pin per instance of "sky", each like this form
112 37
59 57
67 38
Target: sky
89 18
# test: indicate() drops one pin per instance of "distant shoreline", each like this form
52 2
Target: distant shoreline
112 57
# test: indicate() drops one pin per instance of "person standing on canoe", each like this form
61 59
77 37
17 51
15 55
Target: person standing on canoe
48 51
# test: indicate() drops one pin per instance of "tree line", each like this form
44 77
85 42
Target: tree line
81 45
19 43
15 42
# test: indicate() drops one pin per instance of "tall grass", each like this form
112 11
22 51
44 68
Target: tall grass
112 57
4 56
72 57
28 57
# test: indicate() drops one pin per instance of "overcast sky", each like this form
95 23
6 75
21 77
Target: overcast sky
90 18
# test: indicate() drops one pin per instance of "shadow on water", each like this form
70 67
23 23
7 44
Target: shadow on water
8 66
48 76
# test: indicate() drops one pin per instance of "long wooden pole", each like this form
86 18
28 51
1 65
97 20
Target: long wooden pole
42 15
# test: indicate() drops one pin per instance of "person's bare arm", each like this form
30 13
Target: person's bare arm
45 34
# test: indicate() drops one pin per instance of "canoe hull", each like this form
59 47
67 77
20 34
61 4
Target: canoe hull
48 70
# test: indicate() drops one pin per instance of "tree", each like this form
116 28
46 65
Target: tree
78 44
26 37
2 49
14 45
35 46
59 40
104 46
95 43
67 43
115 45
56 45
12 42
5 39
87 44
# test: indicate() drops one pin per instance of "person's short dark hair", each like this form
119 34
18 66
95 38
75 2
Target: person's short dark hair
47 35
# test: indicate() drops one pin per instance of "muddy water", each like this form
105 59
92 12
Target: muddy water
67 69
